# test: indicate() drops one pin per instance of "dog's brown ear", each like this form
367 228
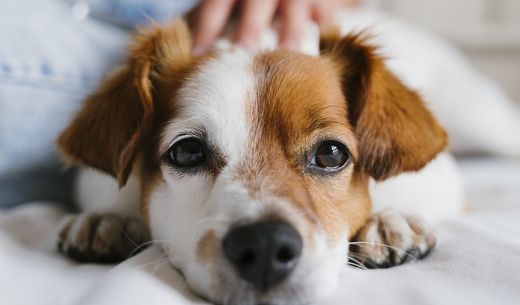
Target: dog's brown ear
107 132
395 131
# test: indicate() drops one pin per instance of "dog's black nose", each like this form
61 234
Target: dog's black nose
263 253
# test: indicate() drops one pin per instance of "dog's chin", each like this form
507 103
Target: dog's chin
231 295
304 286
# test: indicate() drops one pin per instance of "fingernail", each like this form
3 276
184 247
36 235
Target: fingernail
290 44
247 43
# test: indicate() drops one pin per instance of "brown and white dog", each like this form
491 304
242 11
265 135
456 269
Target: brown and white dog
250 169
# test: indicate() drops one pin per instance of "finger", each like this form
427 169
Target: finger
255 17
350 3
322 12
294 15
209 20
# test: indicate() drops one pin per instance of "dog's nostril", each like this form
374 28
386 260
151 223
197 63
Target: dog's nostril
285 254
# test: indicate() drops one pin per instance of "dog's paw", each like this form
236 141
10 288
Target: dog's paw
391 238
102 238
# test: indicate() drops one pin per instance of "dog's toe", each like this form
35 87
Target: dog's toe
391 238
101 238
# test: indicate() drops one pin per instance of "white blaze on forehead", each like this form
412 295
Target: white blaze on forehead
215 98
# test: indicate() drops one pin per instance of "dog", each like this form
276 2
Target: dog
252 170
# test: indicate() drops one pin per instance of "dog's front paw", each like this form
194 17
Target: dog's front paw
391 238
102 238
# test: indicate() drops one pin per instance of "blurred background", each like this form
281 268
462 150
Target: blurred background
487 31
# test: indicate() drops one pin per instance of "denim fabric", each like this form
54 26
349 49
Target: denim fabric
49 61
130 13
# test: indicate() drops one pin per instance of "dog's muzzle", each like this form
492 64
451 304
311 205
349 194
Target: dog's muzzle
263 253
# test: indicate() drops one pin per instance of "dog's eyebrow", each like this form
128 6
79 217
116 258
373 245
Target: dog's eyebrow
162 147
320 119
323 124
199 133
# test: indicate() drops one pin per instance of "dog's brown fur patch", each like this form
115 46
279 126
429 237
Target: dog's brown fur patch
207 247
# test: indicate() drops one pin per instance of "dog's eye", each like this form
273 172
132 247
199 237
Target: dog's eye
187 152
330 155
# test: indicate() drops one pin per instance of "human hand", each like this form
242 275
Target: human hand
211 16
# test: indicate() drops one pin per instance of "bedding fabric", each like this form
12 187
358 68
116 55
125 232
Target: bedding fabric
477 260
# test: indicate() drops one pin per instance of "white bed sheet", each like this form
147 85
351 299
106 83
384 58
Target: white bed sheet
477 260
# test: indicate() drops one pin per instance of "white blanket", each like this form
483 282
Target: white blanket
477 260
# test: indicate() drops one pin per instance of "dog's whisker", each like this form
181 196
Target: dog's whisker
359 255
160 260
141 246
159 264
354 262
138 247
357 266
126 235
354 259
365 261
367 244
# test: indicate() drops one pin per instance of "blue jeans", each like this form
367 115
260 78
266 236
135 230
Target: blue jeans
51 57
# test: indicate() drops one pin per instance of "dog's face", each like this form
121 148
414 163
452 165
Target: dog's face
254 166
257 145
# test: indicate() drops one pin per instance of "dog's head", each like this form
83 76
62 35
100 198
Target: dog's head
254 166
